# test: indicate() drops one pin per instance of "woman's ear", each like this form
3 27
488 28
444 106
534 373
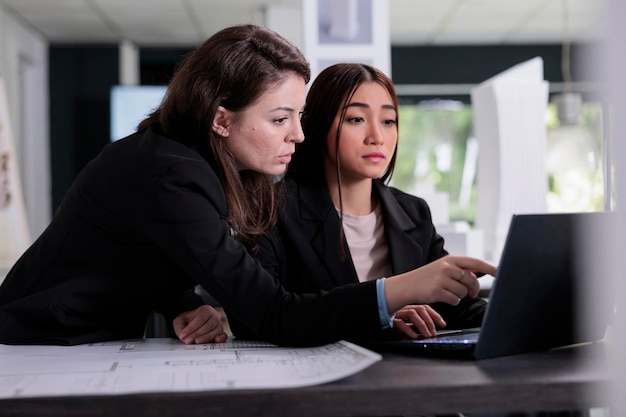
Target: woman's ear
221 121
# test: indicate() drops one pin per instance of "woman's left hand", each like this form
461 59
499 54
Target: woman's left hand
202 325
413 320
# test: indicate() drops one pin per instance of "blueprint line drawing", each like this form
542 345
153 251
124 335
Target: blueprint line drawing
168 365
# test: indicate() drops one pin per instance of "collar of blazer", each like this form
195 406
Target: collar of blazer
401 230
392 210
315 205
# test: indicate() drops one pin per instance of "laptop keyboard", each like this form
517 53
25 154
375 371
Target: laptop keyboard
451 341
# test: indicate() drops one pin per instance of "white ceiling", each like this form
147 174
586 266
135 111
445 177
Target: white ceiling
412 22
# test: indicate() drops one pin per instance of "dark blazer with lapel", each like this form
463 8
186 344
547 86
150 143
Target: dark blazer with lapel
141 226
303 250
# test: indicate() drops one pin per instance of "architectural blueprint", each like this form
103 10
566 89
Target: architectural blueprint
167 365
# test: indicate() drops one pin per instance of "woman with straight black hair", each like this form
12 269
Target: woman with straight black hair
340 223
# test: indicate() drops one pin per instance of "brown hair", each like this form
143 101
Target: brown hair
232 68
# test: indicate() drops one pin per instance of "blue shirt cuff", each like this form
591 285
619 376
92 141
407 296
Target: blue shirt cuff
386 321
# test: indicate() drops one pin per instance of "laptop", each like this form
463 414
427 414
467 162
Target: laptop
537 296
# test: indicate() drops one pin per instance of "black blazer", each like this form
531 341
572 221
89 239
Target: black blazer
303 250
142 225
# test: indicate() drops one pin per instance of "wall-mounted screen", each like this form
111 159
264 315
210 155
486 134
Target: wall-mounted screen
130 105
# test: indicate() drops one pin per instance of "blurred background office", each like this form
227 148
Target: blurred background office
61 61
66 66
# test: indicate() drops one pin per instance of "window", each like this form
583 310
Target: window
438 153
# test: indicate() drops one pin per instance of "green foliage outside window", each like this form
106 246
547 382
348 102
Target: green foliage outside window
592 192
432 151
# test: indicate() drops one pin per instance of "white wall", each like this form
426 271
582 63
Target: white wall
24 67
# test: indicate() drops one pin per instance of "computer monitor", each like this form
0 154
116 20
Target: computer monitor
130 105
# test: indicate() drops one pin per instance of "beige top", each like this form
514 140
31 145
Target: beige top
368 245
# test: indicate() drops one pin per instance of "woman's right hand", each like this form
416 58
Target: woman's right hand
414 320
447 279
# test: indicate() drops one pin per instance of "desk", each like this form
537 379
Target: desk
562 379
